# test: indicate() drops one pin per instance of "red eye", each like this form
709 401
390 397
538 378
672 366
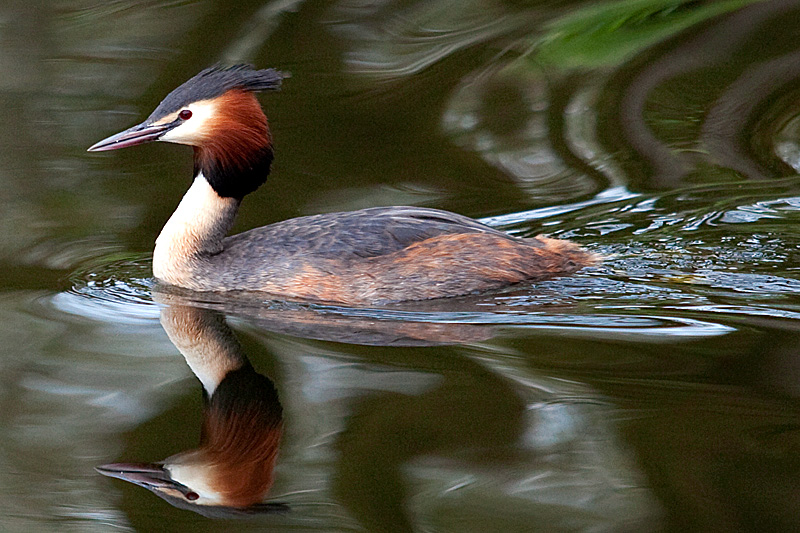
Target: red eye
185 114
191 496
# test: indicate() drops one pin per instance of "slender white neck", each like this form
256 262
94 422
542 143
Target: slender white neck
196 228
206 342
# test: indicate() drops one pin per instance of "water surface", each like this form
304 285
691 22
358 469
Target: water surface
655 392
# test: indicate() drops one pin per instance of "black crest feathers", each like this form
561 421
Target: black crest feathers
215 81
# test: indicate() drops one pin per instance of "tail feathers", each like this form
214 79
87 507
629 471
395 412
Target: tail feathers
562 257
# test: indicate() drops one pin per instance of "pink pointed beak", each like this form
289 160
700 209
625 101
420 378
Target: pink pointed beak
148 475
139 134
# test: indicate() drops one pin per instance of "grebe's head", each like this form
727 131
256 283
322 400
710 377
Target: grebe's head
232 470
189 481
217 113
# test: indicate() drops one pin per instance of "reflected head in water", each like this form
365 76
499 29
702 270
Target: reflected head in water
231 471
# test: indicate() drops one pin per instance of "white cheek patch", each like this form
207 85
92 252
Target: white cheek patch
198 477
197 128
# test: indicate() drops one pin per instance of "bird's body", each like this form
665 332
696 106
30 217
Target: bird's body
359 257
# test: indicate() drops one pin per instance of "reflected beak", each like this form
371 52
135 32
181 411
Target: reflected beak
139 134
147 475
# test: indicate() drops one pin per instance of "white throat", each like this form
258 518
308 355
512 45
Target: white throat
196 229
208 345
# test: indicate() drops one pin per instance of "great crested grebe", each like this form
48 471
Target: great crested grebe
369 256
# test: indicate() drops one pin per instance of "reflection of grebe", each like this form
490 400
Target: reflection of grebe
232 470
372 255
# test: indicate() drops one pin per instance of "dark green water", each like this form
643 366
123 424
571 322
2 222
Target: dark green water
657 392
